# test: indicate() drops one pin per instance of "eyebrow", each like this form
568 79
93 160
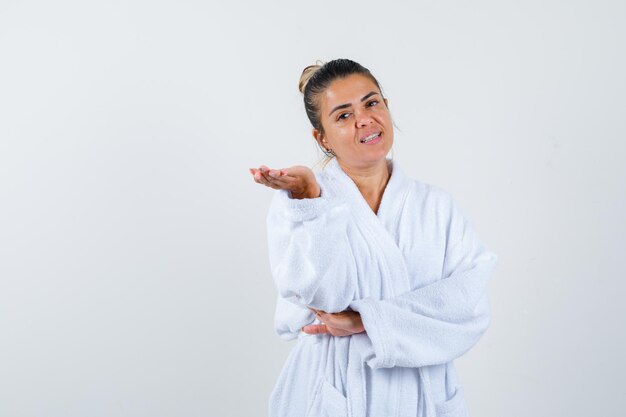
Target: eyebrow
343 106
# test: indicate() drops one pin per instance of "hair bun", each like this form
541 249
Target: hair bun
307 73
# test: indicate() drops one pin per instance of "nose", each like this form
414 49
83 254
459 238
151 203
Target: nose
363 119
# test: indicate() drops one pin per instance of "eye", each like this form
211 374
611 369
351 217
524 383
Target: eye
373 101
341 116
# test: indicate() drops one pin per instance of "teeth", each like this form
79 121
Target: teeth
370 137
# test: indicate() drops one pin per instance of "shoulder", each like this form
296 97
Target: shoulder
420 189
322 175
436 205
431 195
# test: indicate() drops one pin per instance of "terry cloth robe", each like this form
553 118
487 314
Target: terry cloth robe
416 272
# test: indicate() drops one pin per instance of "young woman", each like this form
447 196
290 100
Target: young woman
380 277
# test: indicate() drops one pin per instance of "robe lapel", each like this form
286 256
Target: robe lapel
380 229
381 226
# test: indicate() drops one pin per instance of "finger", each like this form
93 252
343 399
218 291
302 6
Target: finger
285 174
289 173
339 321
320 314
276 179
258 177
315 329
338 332
264 173
279 182
263 169
275 173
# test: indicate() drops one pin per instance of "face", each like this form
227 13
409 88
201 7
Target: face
353 110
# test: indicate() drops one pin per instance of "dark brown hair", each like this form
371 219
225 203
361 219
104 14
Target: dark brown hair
316 78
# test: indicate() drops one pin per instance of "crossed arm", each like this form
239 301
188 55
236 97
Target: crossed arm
314 268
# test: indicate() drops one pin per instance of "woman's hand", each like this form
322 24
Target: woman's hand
299 180
345 323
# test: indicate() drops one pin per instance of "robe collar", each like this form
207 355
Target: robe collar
393 197
381 229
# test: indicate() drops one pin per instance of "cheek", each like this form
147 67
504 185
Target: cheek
383 112
386 116
343 133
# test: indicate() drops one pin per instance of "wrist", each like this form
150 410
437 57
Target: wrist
311 192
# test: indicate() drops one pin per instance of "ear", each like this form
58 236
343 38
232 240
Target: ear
319 136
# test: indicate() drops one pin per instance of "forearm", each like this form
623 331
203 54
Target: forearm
431 325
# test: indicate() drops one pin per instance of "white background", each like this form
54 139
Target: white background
134 278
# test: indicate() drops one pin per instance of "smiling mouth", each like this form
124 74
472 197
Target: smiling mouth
371 137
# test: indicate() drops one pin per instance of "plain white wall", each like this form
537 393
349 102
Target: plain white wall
134 278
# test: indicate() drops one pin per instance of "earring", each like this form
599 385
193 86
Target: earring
327 152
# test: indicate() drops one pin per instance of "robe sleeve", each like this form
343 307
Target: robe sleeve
438 322
310 257
289 318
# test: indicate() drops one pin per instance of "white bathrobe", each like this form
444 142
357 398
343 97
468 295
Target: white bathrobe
416 272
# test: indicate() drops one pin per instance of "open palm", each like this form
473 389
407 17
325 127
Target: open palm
299 180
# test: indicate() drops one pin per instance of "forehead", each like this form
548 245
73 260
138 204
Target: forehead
347 90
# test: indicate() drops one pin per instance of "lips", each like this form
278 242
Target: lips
369 135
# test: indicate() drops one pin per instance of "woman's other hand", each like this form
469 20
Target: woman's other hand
345 323
298 180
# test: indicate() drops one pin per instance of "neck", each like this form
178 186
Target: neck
370 180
